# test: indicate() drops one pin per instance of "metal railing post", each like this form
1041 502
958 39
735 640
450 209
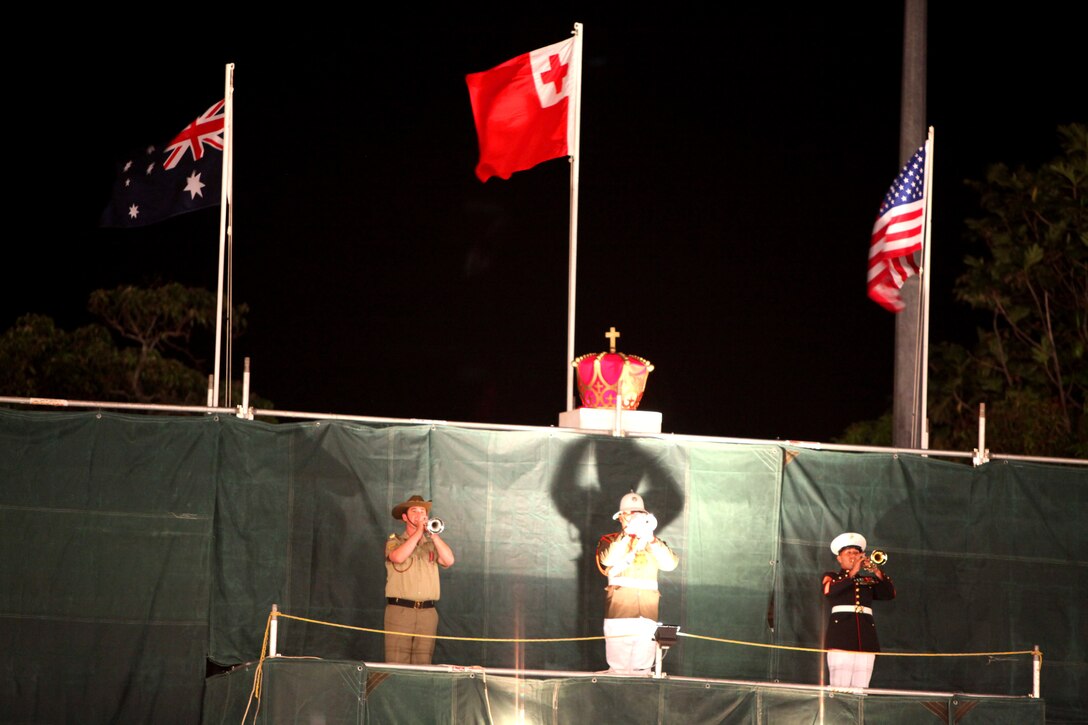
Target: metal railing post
273 631
981 454
1037 669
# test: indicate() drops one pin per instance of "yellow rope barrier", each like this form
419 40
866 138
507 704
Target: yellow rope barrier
886 654
255 693
596 637
439 636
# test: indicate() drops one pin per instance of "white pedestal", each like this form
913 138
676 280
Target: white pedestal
631 421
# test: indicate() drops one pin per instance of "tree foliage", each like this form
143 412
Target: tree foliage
1031 283
141 352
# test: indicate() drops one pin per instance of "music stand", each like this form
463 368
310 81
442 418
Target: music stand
665 636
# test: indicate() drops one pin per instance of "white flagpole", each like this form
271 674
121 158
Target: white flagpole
224 202
926 256
228 184
574 123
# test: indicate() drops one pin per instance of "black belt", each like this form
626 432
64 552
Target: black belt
410 603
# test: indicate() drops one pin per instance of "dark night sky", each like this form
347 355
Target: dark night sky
732 164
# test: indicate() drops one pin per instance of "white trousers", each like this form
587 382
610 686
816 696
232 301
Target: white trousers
850 669
633 654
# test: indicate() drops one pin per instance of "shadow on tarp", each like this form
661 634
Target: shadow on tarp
341 692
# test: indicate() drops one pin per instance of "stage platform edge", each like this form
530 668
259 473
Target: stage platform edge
343 692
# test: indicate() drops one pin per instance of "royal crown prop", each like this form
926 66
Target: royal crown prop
604 377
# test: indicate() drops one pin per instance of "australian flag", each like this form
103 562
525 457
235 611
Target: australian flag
184 175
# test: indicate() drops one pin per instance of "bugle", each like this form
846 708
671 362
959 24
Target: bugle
878 557
435 526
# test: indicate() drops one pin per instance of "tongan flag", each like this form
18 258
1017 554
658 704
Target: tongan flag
896 244
186 175
523 110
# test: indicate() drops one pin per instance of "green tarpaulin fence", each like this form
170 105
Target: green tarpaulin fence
136 548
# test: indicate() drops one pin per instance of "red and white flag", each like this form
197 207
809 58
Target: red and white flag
524 110
896 242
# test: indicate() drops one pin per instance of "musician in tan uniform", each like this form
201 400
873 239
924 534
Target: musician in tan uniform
412 561
631 558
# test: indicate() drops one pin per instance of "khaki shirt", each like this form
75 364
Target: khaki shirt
417 577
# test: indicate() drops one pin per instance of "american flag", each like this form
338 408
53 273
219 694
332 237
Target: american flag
156 184
896 243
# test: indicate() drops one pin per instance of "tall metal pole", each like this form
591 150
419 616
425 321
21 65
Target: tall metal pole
224 204
574 125
907 415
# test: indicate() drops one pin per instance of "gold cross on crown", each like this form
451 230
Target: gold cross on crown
612 334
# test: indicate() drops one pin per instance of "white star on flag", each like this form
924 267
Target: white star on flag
193 185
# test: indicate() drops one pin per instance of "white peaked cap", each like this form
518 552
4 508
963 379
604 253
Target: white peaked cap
842 541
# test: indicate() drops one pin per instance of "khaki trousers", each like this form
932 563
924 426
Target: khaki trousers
407 648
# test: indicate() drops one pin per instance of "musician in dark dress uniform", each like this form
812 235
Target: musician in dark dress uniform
851 632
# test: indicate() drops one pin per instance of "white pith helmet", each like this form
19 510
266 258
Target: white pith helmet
631 503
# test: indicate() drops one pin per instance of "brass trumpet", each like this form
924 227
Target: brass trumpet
878 557
435 526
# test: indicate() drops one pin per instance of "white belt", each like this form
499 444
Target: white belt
852 608
626 581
